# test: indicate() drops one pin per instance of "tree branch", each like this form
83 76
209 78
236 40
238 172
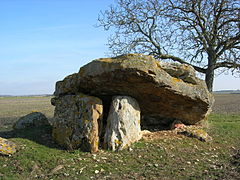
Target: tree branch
227 64
228 44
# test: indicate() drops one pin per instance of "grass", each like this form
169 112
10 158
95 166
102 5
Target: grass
167 156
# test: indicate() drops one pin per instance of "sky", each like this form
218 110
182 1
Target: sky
43 41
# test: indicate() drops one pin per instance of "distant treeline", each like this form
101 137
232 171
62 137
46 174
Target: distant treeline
227 92
36 95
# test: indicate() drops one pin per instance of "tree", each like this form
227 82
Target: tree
201 33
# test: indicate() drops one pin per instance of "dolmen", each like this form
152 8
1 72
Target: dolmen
109 100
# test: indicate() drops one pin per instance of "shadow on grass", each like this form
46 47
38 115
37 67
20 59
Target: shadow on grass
236 160
40 135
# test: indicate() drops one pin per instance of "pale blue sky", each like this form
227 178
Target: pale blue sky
42 41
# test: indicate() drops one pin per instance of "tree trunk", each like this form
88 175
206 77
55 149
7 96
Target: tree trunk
210 72
209 79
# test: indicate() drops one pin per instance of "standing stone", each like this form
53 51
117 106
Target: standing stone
34 119
123 123
76 119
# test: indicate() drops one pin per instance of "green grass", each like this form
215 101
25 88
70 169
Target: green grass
168 157
173 157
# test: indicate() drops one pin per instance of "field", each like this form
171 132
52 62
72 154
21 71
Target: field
11 108
164 155
227 104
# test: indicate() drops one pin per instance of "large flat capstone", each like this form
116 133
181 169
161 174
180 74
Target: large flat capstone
164 91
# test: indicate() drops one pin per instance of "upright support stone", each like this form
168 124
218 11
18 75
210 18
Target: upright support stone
123 123
76 120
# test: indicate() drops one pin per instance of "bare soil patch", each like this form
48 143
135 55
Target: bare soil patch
227 104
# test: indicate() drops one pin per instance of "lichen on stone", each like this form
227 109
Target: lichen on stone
7 147
200 134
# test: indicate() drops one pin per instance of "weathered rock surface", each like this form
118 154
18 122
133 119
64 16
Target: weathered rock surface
180 71
123 123
76 120
200 134
165 92
34 119
7 147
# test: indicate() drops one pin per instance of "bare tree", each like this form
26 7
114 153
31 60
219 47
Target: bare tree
201 33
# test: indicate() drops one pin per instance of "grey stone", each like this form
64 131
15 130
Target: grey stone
34 119
123 123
